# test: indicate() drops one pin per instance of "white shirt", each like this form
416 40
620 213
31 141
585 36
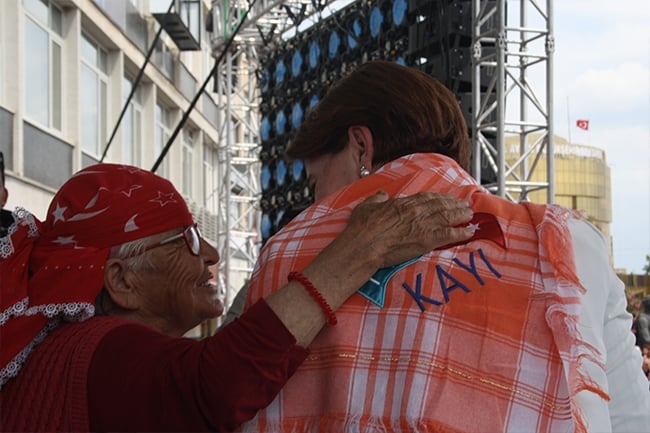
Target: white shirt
606 324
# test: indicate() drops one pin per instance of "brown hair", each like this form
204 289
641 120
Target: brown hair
406 110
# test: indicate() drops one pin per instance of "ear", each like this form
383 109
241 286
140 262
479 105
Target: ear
118 281
360 139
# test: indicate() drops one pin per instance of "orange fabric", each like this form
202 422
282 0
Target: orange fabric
475 337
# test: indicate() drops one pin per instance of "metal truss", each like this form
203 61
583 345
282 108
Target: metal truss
238 168
238 99
511 55
504 104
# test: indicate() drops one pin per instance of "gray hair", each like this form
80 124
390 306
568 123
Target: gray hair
136 259
134 255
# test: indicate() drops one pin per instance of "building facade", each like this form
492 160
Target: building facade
582 181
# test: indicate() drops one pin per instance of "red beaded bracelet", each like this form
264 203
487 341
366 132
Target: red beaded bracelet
313 291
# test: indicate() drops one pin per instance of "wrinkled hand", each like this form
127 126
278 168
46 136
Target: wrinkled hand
396 230
381 232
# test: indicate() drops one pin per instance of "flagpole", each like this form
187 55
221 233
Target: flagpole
568 118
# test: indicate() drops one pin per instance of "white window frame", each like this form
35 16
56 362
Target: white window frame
210 175
162 133
100 70
132 130
187 161
54 113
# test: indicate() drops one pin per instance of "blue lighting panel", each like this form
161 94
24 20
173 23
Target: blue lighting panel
296 64
313 101
296 115
314 54
265 176
399 11
334 43
280 122
356 31
278 217
297 168
376 20
266 225
280 72
266 128
280 172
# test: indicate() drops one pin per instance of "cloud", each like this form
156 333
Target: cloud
602 73
618 93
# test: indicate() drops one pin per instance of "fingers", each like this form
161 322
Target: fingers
402 228
436 210
448 236
438 202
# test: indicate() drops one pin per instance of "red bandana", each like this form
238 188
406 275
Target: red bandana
99 207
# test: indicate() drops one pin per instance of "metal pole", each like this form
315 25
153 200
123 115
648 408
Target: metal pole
476 91
523 106
550 147
501 97
228 163
135 85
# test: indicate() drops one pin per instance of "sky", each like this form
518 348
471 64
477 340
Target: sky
602 74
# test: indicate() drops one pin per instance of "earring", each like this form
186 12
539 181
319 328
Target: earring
363 171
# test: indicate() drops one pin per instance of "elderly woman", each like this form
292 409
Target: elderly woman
118 272
524 328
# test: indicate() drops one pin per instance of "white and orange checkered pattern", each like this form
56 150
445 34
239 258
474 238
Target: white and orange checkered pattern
472 338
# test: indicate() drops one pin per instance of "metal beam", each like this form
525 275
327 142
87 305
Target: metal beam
521 69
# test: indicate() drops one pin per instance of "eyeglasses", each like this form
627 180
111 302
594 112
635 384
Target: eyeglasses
191 235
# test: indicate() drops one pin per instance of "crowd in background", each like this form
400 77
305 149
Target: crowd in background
641 328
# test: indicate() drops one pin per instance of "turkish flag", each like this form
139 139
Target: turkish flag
582 124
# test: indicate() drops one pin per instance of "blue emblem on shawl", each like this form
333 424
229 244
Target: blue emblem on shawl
375 288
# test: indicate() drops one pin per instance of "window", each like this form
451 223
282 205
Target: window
210 192
94 96
188 144
162 135
43 42
132 124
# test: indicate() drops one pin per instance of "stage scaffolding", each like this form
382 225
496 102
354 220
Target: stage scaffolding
518 101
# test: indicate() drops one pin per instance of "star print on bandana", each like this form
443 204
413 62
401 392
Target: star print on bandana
163 199
130 225
87 215
58 213
65 240
93 201
130 191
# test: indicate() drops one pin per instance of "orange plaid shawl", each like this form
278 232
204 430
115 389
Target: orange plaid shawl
476 337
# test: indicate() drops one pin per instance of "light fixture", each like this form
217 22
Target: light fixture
376 21
297 113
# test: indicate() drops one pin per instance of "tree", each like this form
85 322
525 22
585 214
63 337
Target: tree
646 268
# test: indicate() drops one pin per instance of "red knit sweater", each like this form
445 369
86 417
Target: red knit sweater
50 393
110 374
